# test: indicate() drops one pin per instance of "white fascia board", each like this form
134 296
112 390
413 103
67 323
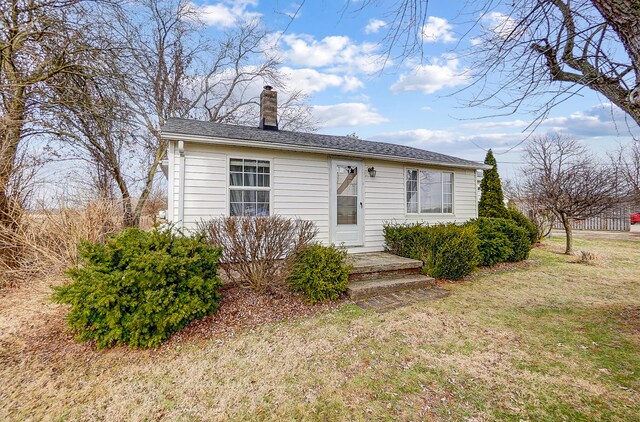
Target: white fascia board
317 150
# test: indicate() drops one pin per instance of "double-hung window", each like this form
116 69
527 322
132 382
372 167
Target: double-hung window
249 187
429 191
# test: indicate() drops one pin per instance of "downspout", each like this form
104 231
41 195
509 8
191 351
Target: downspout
475 178
181 184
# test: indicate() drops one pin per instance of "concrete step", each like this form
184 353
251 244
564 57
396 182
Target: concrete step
367 288
383 273
381 264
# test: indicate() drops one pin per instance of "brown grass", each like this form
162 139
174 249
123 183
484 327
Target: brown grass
589 258
45 242
547 341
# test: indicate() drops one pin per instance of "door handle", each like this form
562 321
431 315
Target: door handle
360 204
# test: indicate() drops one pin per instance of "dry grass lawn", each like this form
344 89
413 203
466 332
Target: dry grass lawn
556 340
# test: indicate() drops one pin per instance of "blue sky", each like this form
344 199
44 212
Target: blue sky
336 58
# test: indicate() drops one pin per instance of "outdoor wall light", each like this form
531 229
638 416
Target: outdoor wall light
372 171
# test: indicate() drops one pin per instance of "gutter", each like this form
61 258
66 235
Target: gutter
287 147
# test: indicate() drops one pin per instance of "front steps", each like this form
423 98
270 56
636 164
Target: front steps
380 273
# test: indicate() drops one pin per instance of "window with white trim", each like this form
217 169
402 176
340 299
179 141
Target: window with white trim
249 187
429 191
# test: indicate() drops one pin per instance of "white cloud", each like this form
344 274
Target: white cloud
598 121
351 83
494 125
312 81
294 10
374 26
438 30
226 13
499 25
338 53
347 114
426 108
441 73
418 137
601 120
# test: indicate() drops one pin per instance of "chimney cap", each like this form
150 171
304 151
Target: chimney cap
268 87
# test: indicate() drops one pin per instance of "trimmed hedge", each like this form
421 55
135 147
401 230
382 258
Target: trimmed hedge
408 240
320 272
492 233
447 250
522 221
454 251
140 287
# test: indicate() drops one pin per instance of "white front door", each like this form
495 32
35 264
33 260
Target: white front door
346 190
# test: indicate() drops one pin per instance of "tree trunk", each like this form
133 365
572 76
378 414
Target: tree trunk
624 18
11 135
162 149
566 223
128 218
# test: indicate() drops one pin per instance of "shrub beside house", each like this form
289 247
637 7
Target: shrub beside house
138 287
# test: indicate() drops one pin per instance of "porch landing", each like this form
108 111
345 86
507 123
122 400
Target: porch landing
380 273
371 262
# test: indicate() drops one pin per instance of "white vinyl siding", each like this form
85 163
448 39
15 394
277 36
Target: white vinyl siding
386 200
300 189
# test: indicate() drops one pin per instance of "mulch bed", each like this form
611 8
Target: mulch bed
240 310
243 309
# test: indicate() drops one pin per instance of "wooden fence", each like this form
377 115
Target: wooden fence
614 220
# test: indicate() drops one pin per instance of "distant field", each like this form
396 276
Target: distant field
554 340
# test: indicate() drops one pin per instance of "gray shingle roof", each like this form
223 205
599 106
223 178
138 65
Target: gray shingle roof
351 146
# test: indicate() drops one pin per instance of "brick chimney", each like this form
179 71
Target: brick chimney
269 109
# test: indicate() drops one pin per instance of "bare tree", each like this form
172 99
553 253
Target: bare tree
560 176
628 161
40 44
165 68
94 123
529 48
555 48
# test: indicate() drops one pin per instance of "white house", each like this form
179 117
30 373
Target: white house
347 186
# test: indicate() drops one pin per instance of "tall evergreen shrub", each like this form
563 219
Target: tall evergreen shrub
491 196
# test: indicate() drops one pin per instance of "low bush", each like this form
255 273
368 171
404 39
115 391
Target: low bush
320 272
454 251
491 233
139 287
408 240
588 258
522 221
447 250
258 251
493 244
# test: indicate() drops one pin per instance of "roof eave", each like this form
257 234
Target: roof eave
174 136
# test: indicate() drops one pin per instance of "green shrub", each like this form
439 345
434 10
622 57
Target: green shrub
320 272
408 240
454 251
490 231
522 221
447 250
493 244
139 287
491 196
